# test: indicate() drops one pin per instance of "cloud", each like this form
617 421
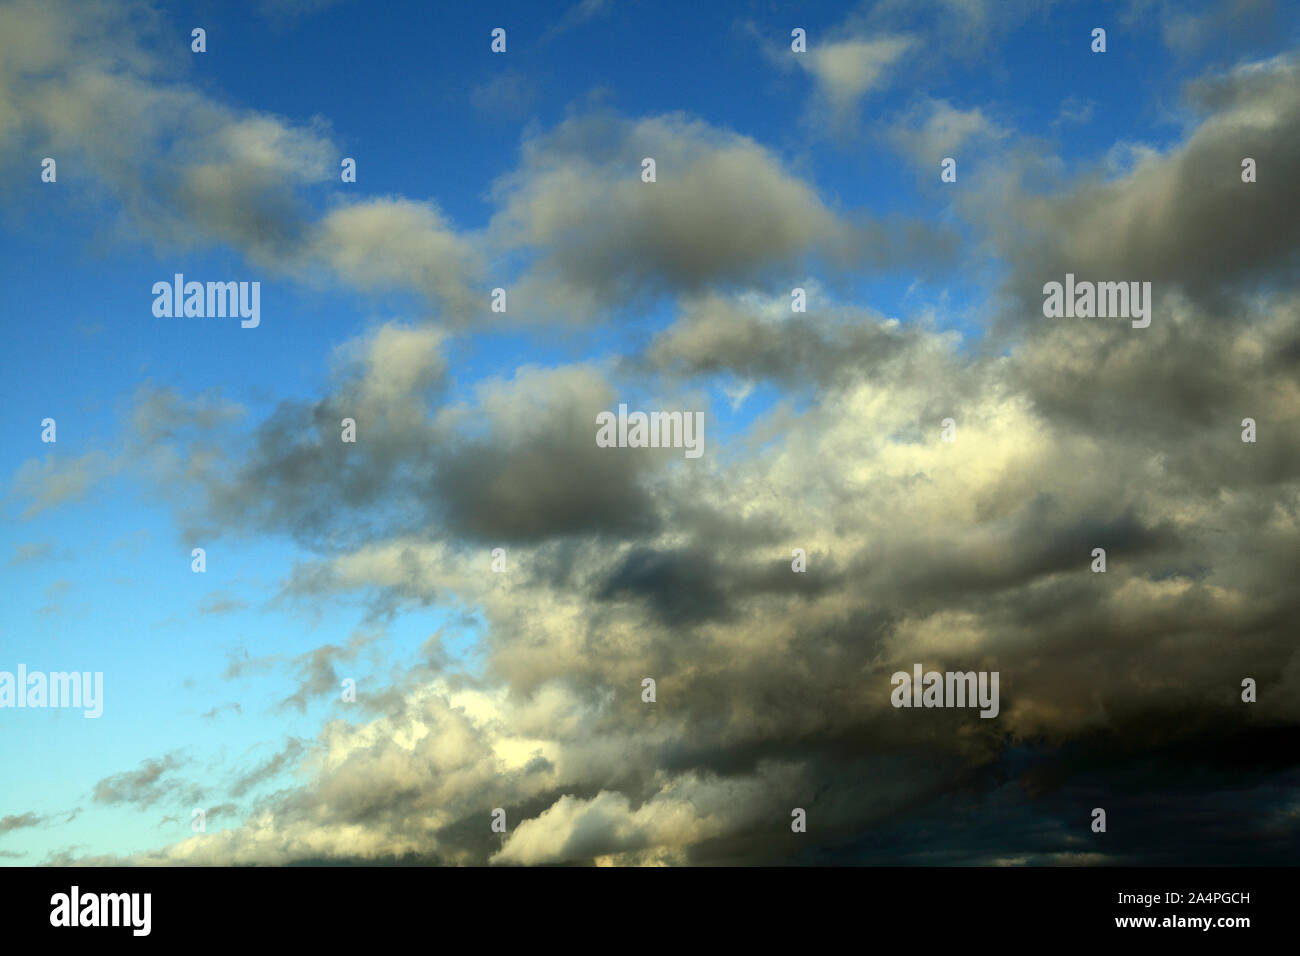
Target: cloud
1228 25
846 70
381 243
315 671
219 602
582 12
934 129
773 686
54 595
148 785
869 48
760 339
213 712
20 822
508 95
222 810
607 826
32 552
56 480
162 413
295 473
1180 218
239 664
189 172
723 210
538 473
285 758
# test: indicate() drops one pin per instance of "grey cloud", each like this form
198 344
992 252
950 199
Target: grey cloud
970 555
239 664
1182 219
932 130
315 671
296 473
764 340
152 782
540 474
191 172
1228 25
57 481
20 822
723 210
287 757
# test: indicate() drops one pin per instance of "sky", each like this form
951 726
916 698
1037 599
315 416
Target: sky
960 547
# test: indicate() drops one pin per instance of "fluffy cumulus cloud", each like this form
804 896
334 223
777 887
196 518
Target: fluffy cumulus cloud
1176 216
723 210
772 687
82 80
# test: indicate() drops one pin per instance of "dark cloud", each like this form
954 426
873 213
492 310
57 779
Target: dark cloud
1181 219
723 210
